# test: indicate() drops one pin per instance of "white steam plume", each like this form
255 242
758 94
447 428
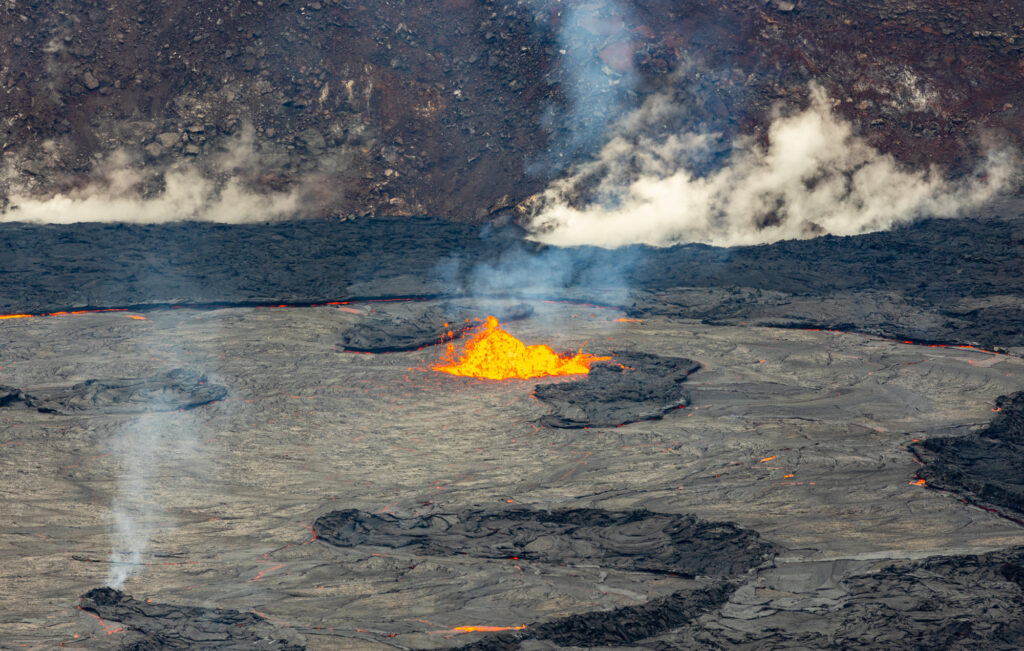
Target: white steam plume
187 194
813 177
148 450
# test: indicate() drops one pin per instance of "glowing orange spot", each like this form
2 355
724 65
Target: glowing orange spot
137 318
788 476
494 354
766 459
487 629
16 316
625 320
919 482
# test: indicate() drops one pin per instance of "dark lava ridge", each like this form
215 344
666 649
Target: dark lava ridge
972 601
413 325
167 626
170 391
938 280
614 627
634 541
987 466
631 387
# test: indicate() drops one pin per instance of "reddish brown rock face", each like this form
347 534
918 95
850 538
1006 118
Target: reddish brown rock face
462 109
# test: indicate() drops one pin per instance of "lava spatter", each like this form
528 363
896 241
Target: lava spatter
494 354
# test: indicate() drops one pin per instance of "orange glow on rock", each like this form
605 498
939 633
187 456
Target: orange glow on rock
494 354
487 629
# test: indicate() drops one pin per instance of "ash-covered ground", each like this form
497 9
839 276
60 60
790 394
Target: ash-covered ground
781 507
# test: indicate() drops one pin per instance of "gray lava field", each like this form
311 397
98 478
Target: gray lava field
805 445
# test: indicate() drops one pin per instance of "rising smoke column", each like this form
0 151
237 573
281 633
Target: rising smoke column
813 177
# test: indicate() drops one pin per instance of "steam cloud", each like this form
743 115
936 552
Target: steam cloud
813 177
187 193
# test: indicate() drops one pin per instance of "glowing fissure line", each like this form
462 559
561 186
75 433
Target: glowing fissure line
910 342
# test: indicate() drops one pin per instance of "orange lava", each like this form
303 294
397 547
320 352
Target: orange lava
494 354
487 629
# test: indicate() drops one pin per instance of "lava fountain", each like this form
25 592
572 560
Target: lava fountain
493 354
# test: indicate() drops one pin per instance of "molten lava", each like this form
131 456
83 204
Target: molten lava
494 354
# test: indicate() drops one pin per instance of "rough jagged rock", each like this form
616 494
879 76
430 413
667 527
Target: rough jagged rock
170 391
167 626
986 466
630 387
635 541
409 326
476 123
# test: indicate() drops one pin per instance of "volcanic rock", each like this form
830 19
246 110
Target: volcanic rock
411 325
614 627
631 387
167 626
986 466
952 280
946 602
169 391
635 541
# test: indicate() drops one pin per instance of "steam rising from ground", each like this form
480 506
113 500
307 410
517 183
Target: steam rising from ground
145 449
219 194
813 177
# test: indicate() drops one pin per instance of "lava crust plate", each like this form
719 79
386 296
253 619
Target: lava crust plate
800 437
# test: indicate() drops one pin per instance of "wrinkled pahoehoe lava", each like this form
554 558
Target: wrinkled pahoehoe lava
408 326
166 626
170 391
986 466
639 541
631 387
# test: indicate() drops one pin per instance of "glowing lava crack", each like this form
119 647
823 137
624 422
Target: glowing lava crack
493 354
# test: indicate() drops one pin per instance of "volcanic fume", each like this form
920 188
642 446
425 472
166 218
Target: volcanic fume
493 354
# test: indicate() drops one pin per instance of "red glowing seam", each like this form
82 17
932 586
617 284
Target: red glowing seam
908 341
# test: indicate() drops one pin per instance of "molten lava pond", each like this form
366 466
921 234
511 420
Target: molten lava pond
798 438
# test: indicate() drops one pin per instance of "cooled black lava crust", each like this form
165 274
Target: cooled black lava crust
170 391
635 541
944 602
631 387
167 626
941 280
413 325
986 466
